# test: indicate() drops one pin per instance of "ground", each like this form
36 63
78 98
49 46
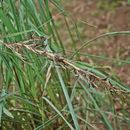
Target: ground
94 18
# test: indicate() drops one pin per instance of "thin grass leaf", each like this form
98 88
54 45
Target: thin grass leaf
15 16
1 111
106 121
7 112
87 43
6 21
58 112
45 124
67 99
100 57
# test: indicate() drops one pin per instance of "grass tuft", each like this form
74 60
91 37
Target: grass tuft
42 89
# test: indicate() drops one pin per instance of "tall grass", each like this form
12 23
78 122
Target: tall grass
43 90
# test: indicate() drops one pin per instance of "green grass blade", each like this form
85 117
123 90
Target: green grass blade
58 112
87 43
68 99
106 121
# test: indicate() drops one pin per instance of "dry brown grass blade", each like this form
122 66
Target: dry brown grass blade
15 47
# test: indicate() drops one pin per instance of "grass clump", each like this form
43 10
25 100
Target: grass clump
42 89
